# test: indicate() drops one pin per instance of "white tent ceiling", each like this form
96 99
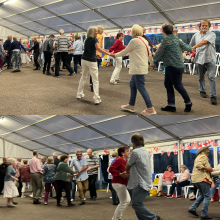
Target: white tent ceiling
31 17
66 134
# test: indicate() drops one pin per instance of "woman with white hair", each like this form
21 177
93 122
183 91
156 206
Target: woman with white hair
24 56
140 55
89 64
10 190
98 54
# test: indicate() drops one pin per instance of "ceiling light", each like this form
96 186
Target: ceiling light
9 2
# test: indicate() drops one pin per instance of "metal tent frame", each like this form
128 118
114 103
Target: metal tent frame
91 5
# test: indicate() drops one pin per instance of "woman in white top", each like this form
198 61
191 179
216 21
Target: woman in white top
139 55
183 180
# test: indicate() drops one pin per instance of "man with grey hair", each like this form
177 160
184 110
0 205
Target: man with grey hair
92 170
56 160
140 180
82 182
36 177
36 50
3 168
48 51
8 53
203 43
62 44
17 167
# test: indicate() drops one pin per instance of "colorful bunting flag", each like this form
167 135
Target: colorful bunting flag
106 152
156 148
190 27
182 28
162 152
175 146
168 153
175 152
215 143
197 26
155 30
149 30
215 26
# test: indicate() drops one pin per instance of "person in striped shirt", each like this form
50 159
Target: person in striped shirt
92 170
62 44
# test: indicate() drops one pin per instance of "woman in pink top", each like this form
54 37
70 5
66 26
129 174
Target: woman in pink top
166 179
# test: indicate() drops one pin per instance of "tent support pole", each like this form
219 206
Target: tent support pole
3 148
179 155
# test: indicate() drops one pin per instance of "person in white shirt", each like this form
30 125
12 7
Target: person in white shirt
139 55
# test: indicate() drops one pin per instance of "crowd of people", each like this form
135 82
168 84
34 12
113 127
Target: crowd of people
88 55
129 174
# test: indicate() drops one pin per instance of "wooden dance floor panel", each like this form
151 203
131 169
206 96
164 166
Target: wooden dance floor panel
31 92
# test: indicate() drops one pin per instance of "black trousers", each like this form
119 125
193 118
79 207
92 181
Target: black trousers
36 60
92 188
7 60
19 186
47 62
65 57
1 184
62 185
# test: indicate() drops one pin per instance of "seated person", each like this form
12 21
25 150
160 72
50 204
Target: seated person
215 184
166 179
183 180
186 57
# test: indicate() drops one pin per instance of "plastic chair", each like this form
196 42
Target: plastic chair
190 67
161 62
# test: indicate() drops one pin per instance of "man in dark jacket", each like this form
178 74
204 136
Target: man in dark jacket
35 47
48 51
7 46
3 168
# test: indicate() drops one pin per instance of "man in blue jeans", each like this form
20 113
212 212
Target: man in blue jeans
140 179
203 43
201 177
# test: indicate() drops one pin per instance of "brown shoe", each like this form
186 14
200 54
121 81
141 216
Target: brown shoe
70 205
59 205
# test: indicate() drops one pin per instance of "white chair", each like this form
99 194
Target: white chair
158 175
190 65
159 65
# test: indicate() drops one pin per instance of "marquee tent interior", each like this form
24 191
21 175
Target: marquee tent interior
28 17
66 134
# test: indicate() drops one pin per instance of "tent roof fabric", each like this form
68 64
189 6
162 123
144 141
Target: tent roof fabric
66 134
32 17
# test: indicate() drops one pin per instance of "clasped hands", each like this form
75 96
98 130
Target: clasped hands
124 175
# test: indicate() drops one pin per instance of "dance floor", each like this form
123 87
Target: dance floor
31 92
102 208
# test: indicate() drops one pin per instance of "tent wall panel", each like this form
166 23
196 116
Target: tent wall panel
5 32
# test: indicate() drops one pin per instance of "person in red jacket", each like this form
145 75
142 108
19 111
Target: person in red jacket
120 180
115 48
25 176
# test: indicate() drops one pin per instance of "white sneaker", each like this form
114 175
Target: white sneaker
23 196
0 70
110 197
45 203
80 96
72 200
84 198
31 195
113 83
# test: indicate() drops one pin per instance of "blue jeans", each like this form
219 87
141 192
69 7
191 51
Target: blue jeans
173 78
142 212
41 59
217 184
137 83
204 189
73 182
77 59
210 68
114 194
179 187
